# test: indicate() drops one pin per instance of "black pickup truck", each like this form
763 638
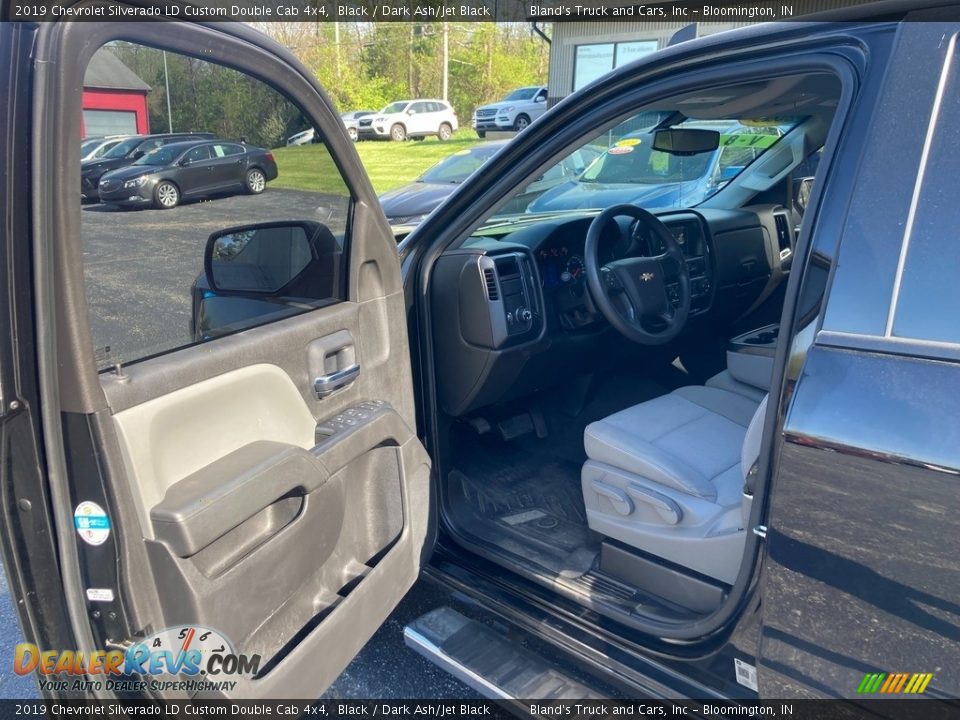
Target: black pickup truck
705 452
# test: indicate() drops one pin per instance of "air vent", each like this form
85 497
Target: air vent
783 232
490 278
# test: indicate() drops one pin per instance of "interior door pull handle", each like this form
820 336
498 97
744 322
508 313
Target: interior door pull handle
328 384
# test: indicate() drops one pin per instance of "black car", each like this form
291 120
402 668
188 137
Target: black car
706 452
125 153
185 170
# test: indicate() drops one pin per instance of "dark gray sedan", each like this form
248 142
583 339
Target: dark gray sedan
186 170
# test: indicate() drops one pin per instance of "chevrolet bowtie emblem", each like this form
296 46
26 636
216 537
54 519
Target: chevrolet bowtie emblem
646 277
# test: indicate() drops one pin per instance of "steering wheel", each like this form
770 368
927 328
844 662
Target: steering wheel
632 292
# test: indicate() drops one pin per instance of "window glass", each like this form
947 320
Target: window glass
627 52
199 153
592 61
622 166
273 223
595 60
928 304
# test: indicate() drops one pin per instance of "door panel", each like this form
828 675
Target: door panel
861 573
255 492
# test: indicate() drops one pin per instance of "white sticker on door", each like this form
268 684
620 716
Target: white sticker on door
746 674
92 523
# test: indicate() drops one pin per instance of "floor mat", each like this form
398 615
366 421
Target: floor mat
524 495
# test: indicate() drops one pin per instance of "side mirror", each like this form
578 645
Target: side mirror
540 98
802 189
411 112
686 141
184 162
266 259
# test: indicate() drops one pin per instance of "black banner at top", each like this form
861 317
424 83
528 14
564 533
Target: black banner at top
426 709
425 11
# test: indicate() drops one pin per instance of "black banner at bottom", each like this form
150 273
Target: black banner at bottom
919 709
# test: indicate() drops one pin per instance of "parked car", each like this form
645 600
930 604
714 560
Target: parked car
125 153
304 137
95 147
411 203
690 453
515 112
410 119
351 120
186 170
632 171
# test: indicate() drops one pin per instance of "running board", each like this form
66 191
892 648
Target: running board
488 662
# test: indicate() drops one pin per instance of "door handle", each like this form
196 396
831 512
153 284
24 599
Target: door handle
328 384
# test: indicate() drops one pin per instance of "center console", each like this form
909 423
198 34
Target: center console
750 356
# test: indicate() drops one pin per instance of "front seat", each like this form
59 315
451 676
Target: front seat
667 476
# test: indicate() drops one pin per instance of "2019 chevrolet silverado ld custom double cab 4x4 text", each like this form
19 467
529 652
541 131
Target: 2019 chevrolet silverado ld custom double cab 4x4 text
708 451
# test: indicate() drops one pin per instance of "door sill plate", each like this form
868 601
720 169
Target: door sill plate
493 665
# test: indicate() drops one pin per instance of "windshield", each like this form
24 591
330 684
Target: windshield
634 161
122 149
158 157
88 146
457 167
394 108
626 168
522 94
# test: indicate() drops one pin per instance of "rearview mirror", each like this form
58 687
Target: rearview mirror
266 259
686 141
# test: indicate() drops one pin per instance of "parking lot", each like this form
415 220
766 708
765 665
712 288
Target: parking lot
140 264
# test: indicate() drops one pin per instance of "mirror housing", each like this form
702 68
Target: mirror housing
267 260
184 162
802 188
540 99
686 141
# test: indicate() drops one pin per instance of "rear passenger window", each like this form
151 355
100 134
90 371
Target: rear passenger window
928 300
272 225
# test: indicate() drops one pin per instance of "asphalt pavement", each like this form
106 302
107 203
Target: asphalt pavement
386 669
139 264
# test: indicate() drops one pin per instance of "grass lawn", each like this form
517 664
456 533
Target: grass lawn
389 164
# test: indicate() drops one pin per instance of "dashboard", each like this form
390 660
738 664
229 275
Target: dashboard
512 311
560 260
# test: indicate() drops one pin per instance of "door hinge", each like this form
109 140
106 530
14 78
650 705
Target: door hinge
760 531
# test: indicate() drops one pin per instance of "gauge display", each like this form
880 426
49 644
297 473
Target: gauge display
553 262
572 270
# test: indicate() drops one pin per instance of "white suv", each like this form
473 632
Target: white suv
514 112
410 119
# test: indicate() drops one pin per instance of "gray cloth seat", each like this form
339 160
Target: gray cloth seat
666 476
